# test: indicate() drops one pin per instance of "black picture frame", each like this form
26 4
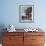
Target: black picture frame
26 13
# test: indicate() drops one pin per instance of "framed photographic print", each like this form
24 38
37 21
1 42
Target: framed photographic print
26 13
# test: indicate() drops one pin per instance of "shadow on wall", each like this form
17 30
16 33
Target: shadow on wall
2 26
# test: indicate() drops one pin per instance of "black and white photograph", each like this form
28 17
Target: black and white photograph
26 13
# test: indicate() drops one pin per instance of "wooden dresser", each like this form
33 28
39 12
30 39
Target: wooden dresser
23 39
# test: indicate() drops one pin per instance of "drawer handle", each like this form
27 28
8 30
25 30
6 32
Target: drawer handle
33 39
11 38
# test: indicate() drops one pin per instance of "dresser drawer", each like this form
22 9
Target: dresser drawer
12 39
13 33
13 44
37 39
37 44
34 33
